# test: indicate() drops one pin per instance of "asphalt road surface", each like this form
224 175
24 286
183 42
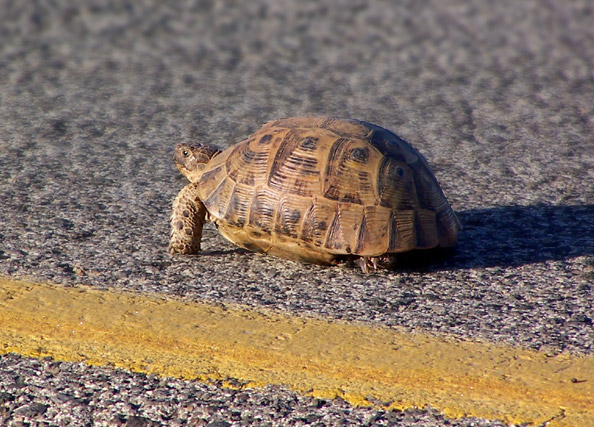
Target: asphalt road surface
498 96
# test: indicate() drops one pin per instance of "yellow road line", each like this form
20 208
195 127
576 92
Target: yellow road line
362 364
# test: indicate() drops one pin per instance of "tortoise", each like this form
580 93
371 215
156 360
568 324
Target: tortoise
313 189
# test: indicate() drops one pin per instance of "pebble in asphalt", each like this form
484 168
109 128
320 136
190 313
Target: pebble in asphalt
497 96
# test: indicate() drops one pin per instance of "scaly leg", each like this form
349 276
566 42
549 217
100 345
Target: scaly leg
187 219
368 264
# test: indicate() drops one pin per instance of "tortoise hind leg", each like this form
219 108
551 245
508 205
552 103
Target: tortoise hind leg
187 218
373 263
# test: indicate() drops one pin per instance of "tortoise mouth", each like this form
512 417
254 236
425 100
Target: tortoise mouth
180 167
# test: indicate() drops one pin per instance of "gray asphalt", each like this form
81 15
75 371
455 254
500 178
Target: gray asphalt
499 96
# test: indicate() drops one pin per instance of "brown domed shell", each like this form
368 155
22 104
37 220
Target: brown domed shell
314 188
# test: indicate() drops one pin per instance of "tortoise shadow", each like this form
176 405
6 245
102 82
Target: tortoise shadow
222 252
517 235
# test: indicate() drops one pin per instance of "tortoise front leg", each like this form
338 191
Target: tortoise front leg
187 219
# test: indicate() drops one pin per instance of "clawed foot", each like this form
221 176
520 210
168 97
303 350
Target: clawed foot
183 248
368 264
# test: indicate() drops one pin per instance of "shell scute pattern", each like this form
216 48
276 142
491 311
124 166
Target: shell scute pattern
288 216
294 169
316 221
375 225
238 206
314 188
262 210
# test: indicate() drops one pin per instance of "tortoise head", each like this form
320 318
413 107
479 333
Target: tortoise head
191 159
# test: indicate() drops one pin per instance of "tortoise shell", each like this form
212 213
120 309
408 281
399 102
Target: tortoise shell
316 188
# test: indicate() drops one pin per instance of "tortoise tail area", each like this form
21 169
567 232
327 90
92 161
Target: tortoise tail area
407 185
433 201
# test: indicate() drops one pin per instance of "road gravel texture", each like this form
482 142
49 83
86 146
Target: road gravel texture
94 97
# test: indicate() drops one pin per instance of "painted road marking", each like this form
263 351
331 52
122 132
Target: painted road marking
364 365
